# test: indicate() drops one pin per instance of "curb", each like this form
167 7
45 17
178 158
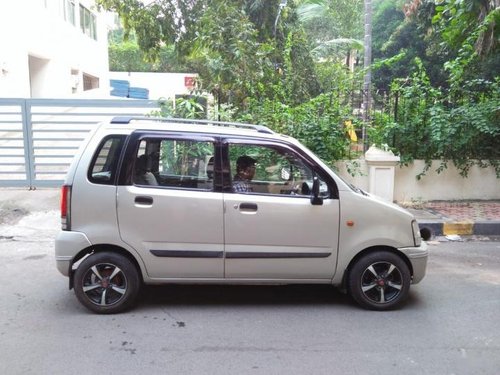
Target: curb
464 228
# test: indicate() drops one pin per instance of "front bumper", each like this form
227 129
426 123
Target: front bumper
67 245
418 258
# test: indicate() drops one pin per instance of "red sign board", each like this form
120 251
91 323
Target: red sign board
189 82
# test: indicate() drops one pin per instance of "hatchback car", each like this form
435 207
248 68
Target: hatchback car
154 201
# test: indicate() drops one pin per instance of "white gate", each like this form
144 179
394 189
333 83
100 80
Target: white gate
39 137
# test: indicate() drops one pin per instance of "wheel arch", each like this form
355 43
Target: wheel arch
370 250
100 248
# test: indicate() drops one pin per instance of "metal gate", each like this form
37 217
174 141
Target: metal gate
39 137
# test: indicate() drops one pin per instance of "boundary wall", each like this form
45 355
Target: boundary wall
481 183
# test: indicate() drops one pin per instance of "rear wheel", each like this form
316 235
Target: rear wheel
379 281
106 283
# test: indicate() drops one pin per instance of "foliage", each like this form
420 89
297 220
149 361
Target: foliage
435 62
227 55
397 31
182 157
189 108
460 35
235 47
318 123
331 19
472 48
428 125
127 57
468 22
285 67
334 27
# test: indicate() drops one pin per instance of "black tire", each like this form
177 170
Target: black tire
379 281
106 283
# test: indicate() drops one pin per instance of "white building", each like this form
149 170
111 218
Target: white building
52 48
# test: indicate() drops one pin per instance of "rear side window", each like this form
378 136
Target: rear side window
105 162
175 163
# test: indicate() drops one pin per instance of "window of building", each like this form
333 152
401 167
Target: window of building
90 82
88 22
69 11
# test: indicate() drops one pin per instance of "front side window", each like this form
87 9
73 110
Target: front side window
175 163
271 170
105 162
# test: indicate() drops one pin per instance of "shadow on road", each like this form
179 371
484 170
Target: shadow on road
226 295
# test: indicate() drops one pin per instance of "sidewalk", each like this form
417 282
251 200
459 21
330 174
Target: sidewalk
459 217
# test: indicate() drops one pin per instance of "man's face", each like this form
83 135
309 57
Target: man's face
248 172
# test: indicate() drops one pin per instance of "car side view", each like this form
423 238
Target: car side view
155 201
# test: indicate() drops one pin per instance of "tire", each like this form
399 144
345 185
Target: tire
106 283
379 281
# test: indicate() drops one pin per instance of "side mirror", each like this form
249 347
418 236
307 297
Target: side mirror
285 174
316 200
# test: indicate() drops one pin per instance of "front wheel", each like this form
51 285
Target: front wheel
379 281
106 283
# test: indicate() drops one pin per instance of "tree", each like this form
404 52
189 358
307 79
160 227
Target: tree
458 19
227 55
230 44
332 19
126 56
334 27
470 27
448 105
405 31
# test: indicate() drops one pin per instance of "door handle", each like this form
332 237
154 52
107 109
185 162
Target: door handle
144 201
248 207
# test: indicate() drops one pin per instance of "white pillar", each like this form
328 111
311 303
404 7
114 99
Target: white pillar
381 172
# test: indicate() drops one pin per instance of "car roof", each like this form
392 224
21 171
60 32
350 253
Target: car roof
192 126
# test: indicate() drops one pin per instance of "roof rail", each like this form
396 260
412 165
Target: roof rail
128 119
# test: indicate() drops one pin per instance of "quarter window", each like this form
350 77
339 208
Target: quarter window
104 165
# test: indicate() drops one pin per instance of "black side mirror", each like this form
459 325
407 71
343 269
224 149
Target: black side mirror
315 198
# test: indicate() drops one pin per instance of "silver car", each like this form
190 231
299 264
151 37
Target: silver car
158 201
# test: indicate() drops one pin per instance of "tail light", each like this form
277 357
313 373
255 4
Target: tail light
66 207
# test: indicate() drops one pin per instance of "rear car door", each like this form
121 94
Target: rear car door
273 231
168 209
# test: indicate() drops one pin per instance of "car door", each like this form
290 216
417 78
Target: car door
173 217
273 231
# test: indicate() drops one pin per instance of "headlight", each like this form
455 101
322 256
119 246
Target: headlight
416 233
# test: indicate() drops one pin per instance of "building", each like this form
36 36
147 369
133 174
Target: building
52 48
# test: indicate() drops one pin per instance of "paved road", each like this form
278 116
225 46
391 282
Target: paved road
451 324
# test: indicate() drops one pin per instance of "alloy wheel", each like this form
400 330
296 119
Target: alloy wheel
381 282
104 284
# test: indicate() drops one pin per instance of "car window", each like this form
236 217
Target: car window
271 170
175 163
104 164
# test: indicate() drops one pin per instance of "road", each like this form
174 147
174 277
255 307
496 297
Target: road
450 325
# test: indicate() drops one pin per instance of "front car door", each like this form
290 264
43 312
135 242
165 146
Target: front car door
272 230
168 209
